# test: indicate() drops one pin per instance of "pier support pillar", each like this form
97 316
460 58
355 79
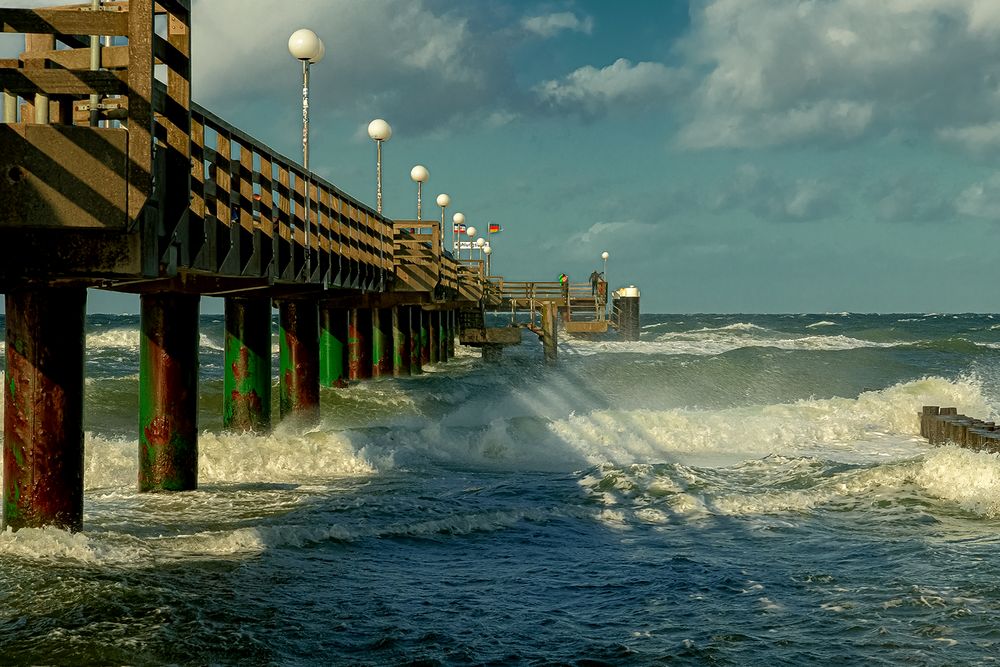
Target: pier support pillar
451 318
359 343
549 332
168 392
425 337
627 305
246 397
400 318
298 378
415 346
434 336
332 346
382 351
442 339
43 408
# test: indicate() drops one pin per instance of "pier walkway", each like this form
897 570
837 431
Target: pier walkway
111 177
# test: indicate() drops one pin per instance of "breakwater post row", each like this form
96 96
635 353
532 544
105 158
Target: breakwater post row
944 425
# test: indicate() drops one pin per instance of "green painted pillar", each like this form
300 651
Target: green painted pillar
415 347
442 341
425 337
43 408
359 347
246 397
332 346
400 317
168 392
382 349
298 378
434 335
452 332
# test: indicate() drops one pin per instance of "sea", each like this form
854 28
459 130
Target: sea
727 490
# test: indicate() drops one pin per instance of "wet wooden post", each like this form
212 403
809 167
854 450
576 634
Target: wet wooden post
452 324
168 392
246 393
400 340
381 342
359 348
549 332
332 346
415 347
298 342
43 408
433 336
927 416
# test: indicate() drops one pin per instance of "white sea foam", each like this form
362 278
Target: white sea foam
128 339
823 323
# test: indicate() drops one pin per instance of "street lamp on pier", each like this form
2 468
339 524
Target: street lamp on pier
470 232
419 175
443 201
306 47
380 131
456 233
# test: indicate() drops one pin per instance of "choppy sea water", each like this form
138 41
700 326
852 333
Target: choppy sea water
731 490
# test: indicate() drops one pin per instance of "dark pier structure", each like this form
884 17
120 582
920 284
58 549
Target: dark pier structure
112 178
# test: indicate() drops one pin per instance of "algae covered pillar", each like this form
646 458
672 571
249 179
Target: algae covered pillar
425 337
168 392
451 332
246 394
382 349
549 332
298 379
434 336
43 408
415 345
332 346
359 346
400 320
442 337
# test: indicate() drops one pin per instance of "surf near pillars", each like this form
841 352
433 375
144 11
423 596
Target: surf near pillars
298 376
43 408
168 392
332 345
246 398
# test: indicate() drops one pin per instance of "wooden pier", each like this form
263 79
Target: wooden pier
113 179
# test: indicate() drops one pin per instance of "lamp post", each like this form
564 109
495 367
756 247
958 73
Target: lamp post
470 232
480 242
380 131
307 47
458 219
443 201
607 285
488 251
419 175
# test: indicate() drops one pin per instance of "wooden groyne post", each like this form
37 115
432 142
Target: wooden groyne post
945 425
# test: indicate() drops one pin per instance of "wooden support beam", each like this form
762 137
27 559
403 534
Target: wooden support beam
26 82
65 22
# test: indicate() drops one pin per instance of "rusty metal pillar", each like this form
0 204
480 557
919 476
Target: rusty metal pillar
452 325
359 336
168 392
43 408
442 340
400 340
298 342
425 337
246 393
332 346
414 337
434 336
382 347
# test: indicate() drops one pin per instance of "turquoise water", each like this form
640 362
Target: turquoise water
737 489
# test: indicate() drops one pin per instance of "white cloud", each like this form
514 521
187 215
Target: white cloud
590 89
981 200
834 70
973 138
772 198
548 25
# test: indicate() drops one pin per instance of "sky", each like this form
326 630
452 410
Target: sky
729 155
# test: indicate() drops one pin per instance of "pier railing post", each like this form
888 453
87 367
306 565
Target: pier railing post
168 392
43 408
298 380
247 374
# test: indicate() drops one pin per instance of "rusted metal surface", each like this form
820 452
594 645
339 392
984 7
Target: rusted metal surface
452 318
425 337
168 392
442 337
247 383
414 339
332 345
299 353
63 176
382 342
43 408
359 343
433 336
400 340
